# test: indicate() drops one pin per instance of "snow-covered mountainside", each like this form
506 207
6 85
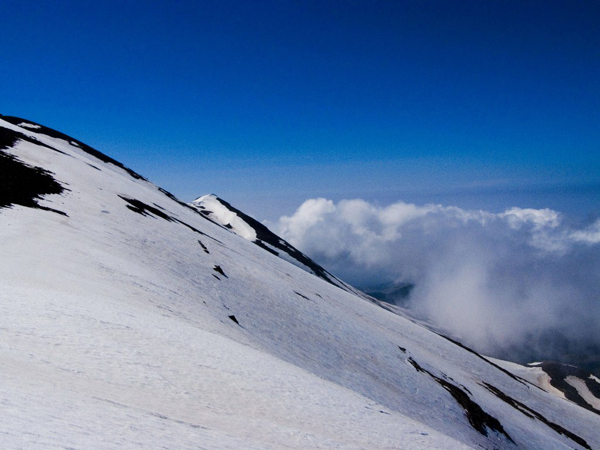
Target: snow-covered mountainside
129 319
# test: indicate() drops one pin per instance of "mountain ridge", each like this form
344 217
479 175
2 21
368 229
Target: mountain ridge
263 237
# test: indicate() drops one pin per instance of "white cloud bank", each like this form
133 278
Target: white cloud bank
519 284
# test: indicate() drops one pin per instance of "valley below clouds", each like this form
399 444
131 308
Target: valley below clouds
522 284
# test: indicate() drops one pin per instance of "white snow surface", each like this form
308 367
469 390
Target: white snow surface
224 216
115 334
29 125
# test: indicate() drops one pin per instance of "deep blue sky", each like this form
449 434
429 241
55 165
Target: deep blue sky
484 104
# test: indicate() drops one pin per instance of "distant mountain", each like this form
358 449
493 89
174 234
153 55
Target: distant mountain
132 320
396 294
578 385
563 380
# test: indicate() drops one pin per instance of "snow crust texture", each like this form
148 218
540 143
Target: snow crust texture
131 320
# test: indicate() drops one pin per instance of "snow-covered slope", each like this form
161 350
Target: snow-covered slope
128 319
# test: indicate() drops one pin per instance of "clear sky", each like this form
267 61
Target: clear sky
479 104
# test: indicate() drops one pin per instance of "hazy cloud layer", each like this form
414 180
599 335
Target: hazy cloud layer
520 284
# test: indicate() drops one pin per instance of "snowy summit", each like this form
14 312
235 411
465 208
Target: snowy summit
132 320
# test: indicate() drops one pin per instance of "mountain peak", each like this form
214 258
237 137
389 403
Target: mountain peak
218 211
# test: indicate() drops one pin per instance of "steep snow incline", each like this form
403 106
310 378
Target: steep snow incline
130 320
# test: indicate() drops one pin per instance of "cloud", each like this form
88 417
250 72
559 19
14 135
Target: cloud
520 284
